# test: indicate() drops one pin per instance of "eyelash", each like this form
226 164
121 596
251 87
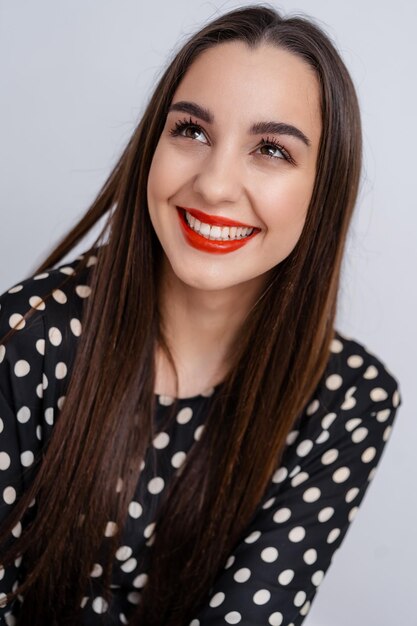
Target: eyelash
185 123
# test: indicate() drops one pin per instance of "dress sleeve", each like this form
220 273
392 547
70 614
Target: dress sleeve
273 574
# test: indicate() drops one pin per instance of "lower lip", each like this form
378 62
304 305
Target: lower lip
210 245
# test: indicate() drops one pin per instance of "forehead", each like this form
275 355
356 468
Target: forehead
248 84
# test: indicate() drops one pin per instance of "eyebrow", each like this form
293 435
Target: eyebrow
275 128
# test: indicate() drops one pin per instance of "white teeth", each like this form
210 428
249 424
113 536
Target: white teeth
217 233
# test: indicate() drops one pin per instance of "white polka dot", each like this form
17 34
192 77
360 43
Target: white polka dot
371 373
310 556
324 435
99 605
3 600
377 394
317 577
178 459
217 599
39 390
349 401
242 575
282 515
76 327
60 402
55 336
352 513
96 571
9 495
1 572
355 360
16 321
49 416
17 530
299 478
300 598
351 494
40 346
312 407
334 381
297 534
396 398
336 346
328 420
23 414
4 461
83 291
111 529
184 415
21 368
333 535
195 622
123 618
233 617
291 437
280 475
262 596
229 561
123 553
149 530
2 352
305 608
268 503
341 474
304 447
15 289
312 494
37 303
368 455
41 276
155 485
27 458
269 555
387 433
59 296
383 415
133 597
135 509
352 424
371 473
129 565
166 400
325 514
359 434
329 456
198 432
60 370
140 581
275 619
92 260
161 441
254 536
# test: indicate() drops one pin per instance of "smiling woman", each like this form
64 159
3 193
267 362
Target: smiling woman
185 438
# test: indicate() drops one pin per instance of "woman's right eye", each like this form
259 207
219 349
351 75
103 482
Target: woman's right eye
187 128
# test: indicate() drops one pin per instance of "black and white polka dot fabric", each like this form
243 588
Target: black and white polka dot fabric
330 459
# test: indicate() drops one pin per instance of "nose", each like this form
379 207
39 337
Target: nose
219 178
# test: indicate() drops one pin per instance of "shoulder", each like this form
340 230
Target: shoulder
44 298
354 370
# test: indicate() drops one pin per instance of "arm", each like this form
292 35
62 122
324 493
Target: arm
273 574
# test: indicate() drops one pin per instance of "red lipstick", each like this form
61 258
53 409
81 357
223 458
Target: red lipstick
210 245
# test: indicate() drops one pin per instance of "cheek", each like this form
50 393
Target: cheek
284 207
164 175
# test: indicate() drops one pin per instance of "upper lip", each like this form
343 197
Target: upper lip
215 220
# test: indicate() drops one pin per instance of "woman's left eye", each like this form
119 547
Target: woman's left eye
274 150
182 128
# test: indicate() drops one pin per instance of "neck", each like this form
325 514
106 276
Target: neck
199 326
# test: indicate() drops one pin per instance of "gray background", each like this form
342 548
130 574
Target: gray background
74 78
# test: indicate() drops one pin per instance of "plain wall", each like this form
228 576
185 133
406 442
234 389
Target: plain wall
74 78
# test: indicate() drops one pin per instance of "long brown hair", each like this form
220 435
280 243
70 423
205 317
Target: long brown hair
110 394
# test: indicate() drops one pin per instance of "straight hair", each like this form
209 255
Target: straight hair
110 398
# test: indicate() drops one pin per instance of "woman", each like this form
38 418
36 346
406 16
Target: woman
185 436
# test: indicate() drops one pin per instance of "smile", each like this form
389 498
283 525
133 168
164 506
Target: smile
213 238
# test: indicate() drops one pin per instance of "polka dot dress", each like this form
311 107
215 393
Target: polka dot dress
330 459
